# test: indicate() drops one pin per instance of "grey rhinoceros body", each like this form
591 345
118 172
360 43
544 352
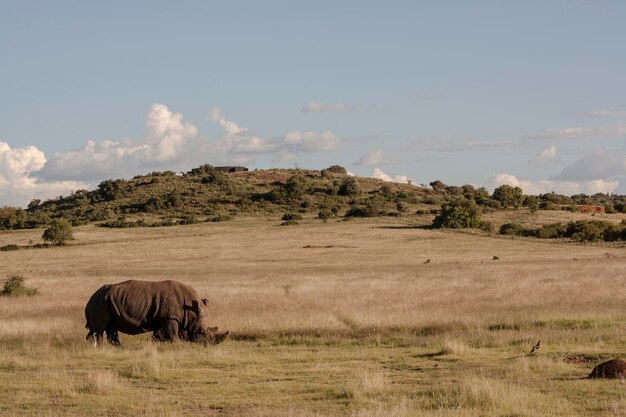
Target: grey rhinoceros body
169 309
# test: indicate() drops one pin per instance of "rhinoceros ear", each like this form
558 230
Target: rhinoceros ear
205 301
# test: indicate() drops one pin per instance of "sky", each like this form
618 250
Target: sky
531 94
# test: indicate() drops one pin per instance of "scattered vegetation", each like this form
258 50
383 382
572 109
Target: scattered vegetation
206 194
579 231
13 286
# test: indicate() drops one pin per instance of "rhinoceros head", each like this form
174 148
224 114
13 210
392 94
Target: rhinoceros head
198 329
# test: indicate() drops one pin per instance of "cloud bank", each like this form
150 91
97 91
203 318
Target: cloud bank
168 142
374 157
381 175
18 180
559 187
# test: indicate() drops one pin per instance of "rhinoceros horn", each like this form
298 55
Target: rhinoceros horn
215 338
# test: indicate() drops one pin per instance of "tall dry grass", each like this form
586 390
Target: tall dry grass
343 318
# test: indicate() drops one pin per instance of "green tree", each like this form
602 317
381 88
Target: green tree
325 215
349 187
438 186
459 214
58 233
508 196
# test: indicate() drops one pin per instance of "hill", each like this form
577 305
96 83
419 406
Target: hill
209 194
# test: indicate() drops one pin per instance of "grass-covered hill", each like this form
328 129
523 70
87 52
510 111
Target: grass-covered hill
208 194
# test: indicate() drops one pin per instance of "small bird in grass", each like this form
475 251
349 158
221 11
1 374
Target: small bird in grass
536 347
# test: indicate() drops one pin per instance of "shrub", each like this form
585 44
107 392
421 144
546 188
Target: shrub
14 286
459 214
7 248
487 227
586 231
349 187
220 218
511 229
334 169
550 231
58 233
291 216
325 215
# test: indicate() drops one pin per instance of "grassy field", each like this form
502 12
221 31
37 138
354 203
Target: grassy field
361 318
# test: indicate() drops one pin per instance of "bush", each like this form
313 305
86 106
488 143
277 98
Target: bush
550 231
291 216
487 227
587 231
334 169
7 248
14 287
349 187
58 233
512 229
459 214
325 215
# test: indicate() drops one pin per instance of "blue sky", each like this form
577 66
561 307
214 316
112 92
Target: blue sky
528 93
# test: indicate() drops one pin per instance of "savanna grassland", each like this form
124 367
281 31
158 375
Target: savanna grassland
369 317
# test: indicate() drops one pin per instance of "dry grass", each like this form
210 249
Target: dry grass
354 324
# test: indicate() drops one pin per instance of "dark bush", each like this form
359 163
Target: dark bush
550 231
586 231
334 169
349 187
291 216
512 229
7 248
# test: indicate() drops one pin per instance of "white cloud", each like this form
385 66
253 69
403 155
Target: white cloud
602 113
599 164
374 157
546 156
165 133
18 181
167 142
317 107
559 187
239 140
599 132
381 175
231 128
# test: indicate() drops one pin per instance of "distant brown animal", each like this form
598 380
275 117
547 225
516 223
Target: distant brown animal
170 310
614 369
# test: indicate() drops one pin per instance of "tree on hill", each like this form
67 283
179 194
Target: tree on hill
349 187
508 196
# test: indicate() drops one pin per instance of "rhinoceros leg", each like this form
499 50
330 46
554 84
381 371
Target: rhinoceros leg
168 331
113 337
95 338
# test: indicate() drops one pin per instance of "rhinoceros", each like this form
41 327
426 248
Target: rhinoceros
169 309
